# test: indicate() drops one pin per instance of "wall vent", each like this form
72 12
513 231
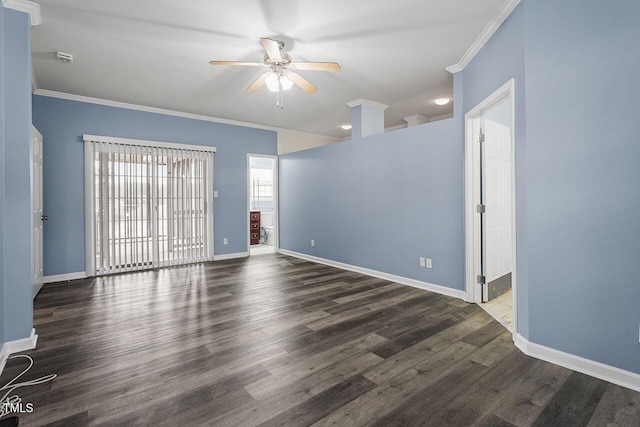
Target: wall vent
64 57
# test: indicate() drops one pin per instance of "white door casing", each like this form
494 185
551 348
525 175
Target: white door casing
276 221
473 225
37 210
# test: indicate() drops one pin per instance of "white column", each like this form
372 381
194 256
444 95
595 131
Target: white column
367 117
416 119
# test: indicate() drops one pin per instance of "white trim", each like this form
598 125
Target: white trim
230 256
29 7
368 103
145 143
590 367
455 293
65 277
210 213
136 107
34 80
89 210
442 117
276 214
484 36
472 220
396 127
17 346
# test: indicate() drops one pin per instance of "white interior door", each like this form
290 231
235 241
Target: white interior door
36 203
496 196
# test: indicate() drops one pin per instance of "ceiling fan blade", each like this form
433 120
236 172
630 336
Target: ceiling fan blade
259 82
272 47
240 63
316 66
303 84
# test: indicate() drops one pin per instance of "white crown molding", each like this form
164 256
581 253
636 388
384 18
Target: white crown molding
65 277
368 103
484 36
17 346
230 256
599 370
127 106
455 293
29 7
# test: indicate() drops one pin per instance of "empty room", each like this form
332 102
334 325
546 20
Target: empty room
302 213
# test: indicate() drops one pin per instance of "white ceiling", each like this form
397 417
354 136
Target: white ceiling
156 52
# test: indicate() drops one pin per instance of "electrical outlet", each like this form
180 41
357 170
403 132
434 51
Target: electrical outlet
215 194
225 241
422 261
313 243
429 263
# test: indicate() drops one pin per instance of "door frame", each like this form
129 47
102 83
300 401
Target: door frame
472 197
276 218
37 250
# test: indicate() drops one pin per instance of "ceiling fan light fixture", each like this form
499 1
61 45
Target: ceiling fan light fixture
273 84
441 101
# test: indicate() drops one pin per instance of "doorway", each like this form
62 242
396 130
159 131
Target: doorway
262 204
37 209
490 206
148 204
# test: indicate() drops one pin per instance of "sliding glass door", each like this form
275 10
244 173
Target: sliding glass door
151 205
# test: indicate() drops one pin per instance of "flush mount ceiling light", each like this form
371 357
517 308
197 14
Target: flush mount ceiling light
441 101
346 127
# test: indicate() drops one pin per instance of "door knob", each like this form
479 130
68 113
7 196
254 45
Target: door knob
44 217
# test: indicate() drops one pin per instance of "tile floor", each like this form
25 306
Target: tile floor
500 308
260 249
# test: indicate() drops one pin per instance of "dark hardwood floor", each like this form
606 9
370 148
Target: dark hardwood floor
278 341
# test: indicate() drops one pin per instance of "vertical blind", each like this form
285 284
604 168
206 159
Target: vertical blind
151 205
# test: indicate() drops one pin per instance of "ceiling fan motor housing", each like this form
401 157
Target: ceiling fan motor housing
286 59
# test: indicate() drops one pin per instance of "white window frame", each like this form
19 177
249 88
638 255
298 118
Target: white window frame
89 195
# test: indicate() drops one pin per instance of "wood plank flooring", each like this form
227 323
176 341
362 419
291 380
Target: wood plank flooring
277 341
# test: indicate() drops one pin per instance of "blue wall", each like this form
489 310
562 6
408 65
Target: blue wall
383 201
380 202
501 59
62 124
575 66
16 310
583 148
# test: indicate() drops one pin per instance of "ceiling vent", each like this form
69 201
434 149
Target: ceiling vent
64 57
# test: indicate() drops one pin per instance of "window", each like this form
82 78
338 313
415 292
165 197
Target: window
261 190
149 204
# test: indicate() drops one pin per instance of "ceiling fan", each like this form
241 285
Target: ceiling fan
281 75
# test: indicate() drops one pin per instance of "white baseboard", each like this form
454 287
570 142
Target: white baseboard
17 346
580 364
65 277
230 256
382 275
